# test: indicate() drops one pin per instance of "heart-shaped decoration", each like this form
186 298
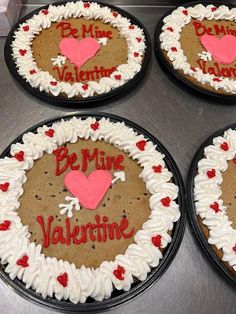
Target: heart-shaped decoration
222 49
63 279
4 186
119 272
79 52
156 240
23 261
5 225
89 190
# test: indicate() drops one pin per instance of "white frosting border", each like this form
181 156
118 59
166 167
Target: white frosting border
207 191
42 79
41 274
177 20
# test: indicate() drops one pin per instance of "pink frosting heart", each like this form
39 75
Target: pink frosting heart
89 190
222 49
79 52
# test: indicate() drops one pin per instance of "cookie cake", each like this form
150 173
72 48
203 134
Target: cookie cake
87 206
199 42
78 49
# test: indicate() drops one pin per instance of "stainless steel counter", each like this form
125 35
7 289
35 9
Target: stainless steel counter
181 122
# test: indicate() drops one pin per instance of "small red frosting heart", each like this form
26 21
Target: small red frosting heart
26 28
170 29
131 27
118 77
166 201
215 207
185 12
85 86
53 83
50 133
115 14
19 156
86 5
136 54
211 173
139 39
95 125
157 240
157 169
23 261
22 51
174 49
234 160
141 145
63 279
234 248
32 72
45 12
119 272
224 146
4 186
5 225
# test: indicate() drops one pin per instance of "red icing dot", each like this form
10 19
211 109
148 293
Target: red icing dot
139 39
166 201
22 51
216 79
23 261
234 160
193 69
53 83
174 49
32 72
45 12
157 240
118 77
185 12
85 86
50 133
4 187
136 54
131 27
115 14
63 279
26 28
141 145
170 29
5 225
213 9
211 173
234 248
86 5
19 156
119 272
95 125
215 207
157 169
224 146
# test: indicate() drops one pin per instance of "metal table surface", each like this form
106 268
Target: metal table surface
181 121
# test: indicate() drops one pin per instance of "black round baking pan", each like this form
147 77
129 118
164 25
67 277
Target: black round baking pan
89 102
118 297
177 76
193 218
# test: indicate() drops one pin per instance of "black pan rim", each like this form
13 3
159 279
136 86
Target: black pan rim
177 75
154 275
192 215
83 103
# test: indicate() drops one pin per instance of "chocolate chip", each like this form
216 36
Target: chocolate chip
124 216
64 189
45 172
53 195
93 246
50 183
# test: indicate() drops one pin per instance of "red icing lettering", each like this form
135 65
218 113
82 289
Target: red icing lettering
217 70
98 231
67 30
